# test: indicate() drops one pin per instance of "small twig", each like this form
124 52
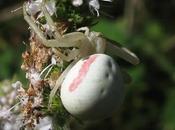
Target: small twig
10 12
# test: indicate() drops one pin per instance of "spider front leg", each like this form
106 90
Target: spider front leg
97 41
50 21
103 44
33 26
115 49
60 80
74 39
85 29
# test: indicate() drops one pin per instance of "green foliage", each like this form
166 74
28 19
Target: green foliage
112 29
8 60
75 17
169 113
11 47
56 110
58 113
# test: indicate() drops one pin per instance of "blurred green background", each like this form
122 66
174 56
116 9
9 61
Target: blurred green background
147 27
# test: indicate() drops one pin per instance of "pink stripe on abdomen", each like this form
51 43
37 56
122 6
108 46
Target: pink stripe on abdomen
82 73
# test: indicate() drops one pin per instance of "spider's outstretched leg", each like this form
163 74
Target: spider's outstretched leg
85 29
74 39
34 27
110 46
97 41
115 49
50 21
60 80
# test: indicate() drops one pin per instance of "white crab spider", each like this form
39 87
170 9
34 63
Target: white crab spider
87 43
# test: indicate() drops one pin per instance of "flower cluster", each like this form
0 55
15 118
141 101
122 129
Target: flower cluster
43 65
9 108
12 102
94 5
32 99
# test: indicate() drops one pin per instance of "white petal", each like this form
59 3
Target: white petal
77 3
33 7
107 0
50 5
95 4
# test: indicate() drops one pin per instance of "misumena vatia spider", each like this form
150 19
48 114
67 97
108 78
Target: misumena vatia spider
83 44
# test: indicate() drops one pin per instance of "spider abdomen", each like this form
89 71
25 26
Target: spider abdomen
93 88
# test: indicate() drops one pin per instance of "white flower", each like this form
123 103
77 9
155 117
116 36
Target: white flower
53 61
17 85
33 76
45 124
95 5
50 66
48 30
3 100
50 5
37 101
34 7
5 113
77 3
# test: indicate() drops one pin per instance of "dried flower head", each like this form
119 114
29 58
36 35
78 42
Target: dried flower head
36 57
